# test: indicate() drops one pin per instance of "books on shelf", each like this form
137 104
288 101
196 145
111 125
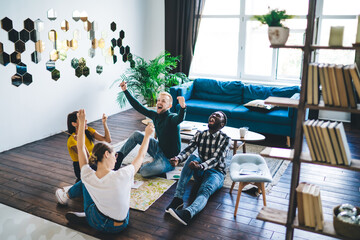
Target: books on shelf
338 83
310 211
327 142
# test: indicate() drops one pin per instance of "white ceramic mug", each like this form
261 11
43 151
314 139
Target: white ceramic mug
243 131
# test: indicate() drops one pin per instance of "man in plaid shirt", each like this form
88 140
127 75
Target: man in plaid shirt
208 168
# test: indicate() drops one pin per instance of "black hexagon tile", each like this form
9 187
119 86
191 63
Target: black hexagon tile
55 74
20 46
13 35
4 58
27 79
6 24
16 80
122 34
113 26
78 72
36 57
99 69
86 71
29 24
15 57
24 35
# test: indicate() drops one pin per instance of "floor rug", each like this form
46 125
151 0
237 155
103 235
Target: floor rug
151 190
277 167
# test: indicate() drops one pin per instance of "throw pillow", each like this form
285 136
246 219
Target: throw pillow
259 105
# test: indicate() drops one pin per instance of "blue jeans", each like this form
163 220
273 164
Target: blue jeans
161 163
211 180
94 217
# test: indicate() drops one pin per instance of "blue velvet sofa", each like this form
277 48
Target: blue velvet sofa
204 96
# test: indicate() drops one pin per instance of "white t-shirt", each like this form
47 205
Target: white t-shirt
111 193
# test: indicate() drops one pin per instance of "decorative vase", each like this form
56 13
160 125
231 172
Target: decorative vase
278 35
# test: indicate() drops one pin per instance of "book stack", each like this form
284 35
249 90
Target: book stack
327 142
338 84
310 212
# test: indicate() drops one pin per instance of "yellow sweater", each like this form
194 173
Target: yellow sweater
72 142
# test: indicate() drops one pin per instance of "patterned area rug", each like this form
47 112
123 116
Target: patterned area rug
277 167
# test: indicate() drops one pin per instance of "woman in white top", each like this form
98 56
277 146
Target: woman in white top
106 192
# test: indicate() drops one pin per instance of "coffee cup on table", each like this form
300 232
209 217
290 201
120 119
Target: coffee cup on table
243 131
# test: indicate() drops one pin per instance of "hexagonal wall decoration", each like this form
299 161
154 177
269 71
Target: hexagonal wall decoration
99 69
113 42
101 43
21 68
52 35
35 36
91 52
29 24
78 72
86 71
14 35
39 25
84 16
62 55
113 26
36 57
20 46
76 15
4 58
54 55
74 63
50 65
122 34
55 75
15 57
16 80
6 24
27 79
40 46
64 25
51 14
24 35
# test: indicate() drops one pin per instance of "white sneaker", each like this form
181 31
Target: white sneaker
76 217
61 195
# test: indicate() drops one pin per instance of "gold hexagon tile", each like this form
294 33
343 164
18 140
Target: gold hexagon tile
40 46
54 55
87 26
101 43
94 43
84 16
64 25
73 44
52 35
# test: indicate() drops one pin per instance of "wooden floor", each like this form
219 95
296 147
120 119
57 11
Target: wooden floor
30 174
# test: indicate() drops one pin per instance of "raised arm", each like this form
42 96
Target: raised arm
143 148
106 137
83 158
135 103
182 112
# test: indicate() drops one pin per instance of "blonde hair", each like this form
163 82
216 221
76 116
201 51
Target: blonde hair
168 95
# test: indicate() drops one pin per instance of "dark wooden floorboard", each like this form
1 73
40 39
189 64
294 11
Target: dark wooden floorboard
30 174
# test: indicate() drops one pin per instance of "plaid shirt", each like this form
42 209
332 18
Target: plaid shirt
212 149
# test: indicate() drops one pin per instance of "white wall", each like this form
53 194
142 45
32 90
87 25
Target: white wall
30 113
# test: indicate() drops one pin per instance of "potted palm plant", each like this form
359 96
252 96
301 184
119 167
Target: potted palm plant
146 79
277 32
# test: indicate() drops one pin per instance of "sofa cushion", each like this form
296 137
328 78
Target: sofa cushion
221 91
278 115
259 105
252 92
206 107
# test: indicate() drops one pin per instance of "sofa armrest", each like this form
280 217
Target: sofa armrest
184 90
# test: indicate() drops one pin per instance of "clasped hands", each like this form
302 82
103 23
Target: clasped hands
194 165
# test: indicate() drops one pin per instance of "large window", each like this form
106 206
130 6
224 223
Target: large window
232 46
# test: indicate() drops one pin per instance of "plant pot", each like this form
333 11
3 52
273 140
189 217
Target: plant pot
278 35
